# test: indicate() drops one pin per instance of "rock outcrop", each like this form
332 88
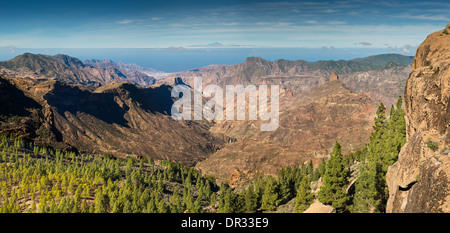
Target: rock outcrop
318 207
419 180
334 76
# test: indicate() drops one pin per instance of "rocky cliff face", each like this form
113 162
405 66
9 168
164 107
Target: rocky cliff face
419 180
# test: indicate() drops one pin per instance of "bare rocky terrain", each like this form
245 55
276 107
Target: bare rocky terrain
120 118
419 180
309 125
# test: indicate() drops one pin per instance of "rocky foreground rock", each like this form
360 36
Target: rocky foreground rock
419 180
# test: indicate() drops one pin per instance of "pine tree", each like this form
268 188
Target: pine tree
162 206
151 206
198 205
227 199
286 183
175 201
250 205
129 167
320 171
304 196
99 202
270 195
33 207
309 168
213 199
380 119
160 185
371 191
367 196
335 181
188 200
84 207
42 207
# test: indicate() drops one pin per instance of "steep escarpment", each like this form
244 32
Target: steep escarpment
419 180
121 118
126 120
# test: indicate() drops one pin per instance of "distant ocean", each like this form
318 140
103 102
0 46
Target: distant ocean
174 60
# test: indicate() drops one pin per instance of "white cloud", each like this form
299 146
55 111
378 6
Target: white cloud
337 22
283 24
406 51
311 21
328 47
230 24
125 21
329 11
393 47
425 17
11 48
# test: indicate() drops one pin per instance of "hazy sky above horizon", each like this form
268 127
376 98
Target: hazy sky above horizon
398 25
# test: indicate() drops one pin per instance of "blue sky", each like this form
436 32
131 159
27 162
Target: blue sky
397 25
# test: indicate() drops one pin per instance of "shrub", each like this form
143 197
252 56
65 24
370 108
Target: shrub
432 145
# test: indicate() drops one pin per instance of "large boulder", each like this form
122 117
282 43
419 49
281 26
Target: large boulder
318 207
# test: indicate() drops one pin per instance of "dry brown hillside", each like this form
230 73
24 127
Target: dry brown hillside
121 119
310 123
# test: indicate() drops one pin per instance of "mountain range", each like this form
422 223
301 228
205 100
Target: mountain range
71 70
382 77
100 106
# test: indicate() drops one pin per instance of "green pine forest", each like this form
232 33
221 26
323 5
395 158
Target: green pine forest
37 179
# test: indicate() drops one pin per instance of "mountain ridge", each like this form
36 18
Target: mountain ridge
69 69
388 76
124 120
